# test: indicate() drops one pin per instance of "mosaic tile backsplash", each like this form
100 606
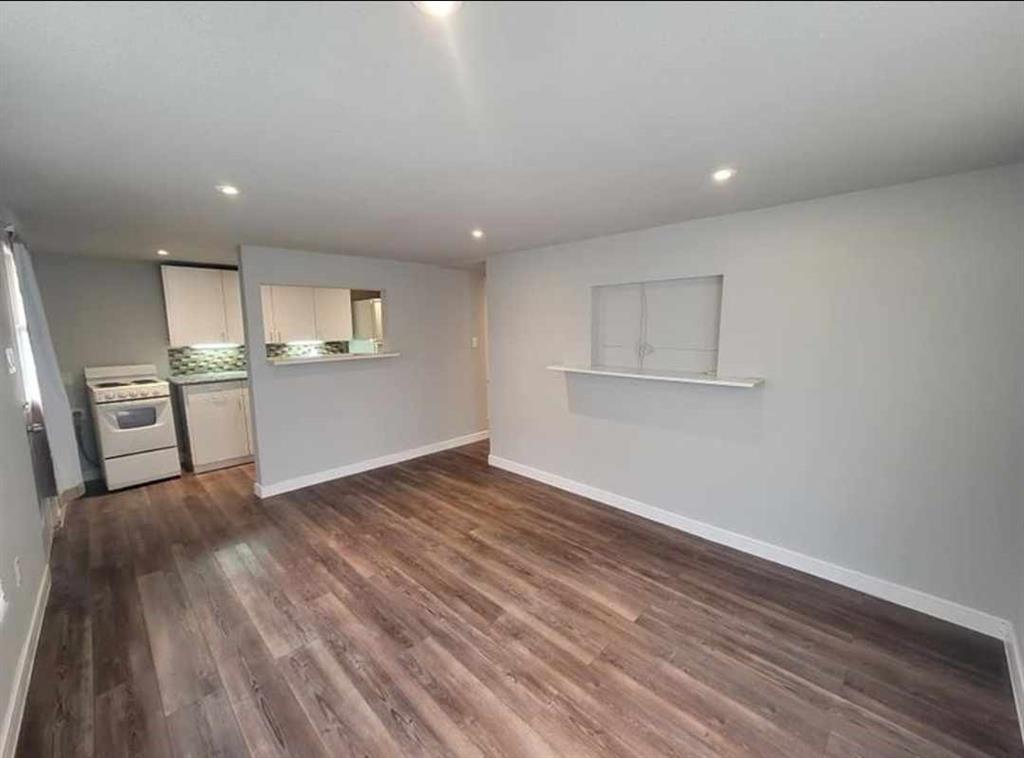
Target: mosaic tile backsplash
206 360
310 350
209 360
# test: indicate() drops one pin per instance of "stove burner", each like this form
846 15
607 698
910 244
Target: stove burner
146 381
112 384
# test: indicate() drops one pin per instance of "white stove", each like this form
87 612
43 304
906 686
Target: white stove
131 407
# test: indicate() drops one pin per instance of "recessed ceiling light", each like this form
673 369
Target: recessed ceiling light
437 9
478 234
227 189
724 174
162 252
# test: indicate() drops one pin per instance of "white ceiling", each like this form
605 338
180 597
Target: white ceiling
370 128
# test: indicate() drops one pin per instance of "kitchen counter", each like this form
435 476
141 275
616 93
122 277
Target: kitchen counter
218 376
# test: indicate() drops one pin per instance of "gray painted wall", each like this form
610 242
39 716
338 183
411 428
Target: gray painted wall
101 313
1018 620
1018 624
890 327
315 417
21 528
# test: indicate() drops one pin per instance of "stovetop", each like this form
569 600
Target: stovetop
125 383
114 383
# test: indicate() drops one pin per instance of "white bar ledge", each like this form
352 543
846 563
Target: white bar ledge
680 377
331 358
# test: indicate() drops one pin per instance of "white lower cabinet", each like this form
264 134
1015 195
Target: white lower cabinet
248 419
217 420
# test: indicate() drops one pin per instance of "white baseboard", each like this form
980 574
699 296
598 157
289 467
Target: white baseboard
204 467
307 480
23 673
947 610
1015 660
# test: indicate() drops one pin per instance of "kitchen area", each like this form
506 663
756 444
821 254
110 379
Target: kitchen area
158 374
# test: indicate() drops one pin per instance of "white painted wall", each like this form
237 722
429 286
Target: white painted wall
890 327
21 536
316 417
101 313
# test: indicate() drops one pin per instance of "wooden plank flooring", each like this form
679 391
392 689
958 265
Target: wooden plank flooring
441 607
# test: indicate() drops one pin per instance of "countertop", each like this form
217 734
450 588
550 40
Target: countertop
218 376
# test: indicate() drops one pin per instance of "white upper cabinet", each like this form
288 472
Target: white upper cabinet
233 306
333 307
293 314
267 301
681 324
203 305
669 325
618 324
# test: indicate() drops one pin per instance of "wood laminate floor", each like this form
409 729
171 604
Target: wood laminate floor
442 607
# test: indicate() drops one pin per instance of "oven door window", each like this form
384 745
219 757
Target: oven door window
135 418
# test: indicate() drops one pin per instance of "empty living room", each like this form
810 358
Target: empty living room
525 379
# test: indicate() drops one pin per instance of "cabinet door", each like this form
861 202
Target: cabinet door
333 308
294 314
216 423
247 414
267 304
682 324
232 307
194 298
618 322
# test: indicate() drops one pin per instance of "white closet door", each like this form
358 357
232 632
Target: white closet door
682 320
194 298
333 308
617 325
294 314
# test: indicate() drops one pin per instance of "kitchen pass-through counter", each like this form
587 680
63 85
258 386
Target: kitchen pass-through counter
211 378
